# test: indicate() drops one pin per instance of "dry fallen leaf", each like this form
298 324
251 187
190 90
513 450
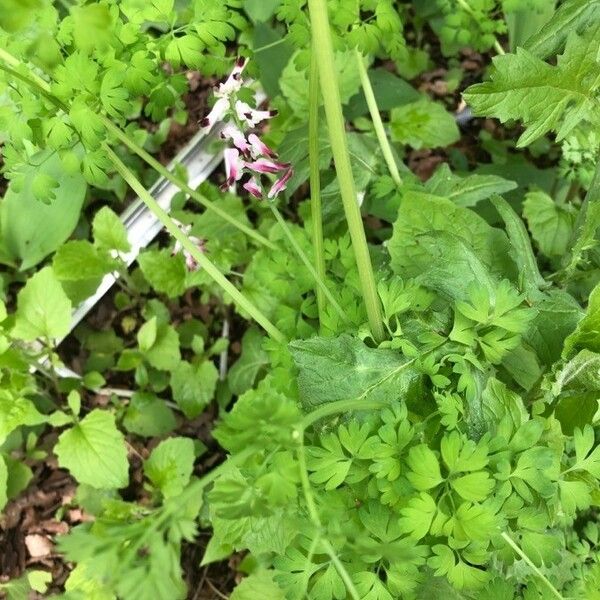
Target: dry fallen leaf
38 546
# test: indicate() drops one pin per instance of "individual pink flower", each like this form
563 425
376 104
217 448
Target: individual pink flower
231 132
258 147
252 116
233 166
265 165
190 262
280 184
252 186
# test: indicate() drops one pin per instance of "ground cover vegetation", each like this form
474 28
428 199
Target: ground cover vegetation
363 359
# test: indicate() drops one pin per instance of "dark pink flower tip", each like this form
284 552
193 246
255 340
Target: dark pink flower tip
253 188
233 165
259 147
280 185
264 165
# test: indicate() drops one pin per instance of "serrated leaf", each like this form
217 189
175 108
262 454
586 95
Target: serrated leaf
94 451
544 97
170 465
194 386
109 231
164 272
79 260
43 309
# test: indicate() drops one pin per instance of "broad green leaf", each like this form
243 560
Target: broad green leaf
194 386
15 14
31 229
164 272
571 16
164 354
551 224
546 98
423 124
109 231
449 245
79 260
259 584
587 334
254 359
468 190
148 416
170 465
344 368
146 336
94 451
43 309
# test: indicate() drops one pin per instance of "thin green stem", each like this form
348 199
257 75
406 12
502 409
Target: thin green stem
382 137
306 261
239 299
526 558
314 517
315 177
341 406
164 172
339 144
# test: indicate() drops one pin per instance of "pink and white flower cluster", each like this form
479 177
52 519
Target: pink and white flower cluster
249 158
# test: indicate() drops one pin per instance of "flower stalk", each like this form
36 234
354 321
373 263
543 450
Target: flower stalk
339 145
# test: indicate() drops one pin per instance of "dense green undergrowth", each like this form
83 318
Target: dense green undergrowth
413 412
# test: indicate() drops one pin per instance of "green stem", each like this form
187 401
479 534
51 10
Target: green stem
526 558
305 260
384 143
315 177
44 88
341 406
162 170
198 256
339 145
